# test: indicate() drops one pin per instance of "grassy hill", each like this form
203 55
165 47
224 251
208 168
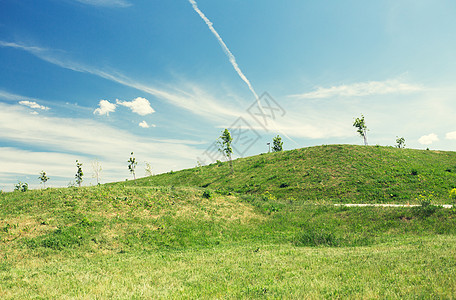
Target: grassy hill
268 231
333 173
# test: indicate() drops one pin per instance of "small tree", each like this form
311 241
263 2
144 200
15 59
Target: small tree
148 169
400 142
21 186
277 144
43 178
132 165
79 173
360 124
96 167
224 142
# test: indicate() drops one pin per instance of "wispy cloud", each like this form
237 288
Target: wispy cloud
224 47
83 139
105 107
428 139
451 135
33 104
393 86
193 99
4 95
140 105
107 3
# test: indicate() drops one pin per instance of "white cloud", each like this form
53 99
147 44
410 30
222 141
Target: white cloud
83 139
187 96
109 3
140 105
105 108
144 124
33 104
393 86
451 135
428 139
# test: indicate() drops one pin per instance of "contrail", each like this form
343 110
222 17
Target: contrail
224 47
233 61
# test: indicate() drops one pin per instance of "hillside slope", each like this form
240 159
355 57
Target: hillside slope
330 173
154 239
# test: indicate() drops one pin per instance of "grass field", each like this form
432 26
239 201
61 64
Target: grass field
329 174
176 236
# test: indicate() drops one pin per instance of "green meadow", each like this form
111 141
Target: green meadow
268 230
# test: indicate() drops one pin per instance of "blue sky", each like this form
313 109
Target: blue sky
94 80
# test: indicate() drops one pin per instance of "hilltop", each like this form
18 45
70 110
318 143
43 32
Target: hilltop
329 173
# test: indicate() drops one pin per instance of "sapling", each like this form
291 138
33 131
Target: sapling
277 144
361 128
224 142
79 173
132 165
43 178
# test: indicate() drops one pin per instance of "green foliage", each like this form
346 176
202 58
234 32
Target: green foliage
426 207
361 128
21 186
43 178
224 142
79 173
132 165
277 144
453 194
207 194
400 142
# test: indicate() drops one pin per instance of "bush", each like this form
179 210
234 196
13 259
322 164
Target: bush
453 195
414 172
207 194
21 186
426 207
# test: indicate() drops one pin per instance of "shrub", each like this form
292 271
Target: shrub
268 196
426 207
453 194
21 186
414 172
207 194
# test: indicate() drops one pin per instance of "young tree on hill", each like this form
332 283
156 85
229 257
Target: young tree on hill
43 178
361 127
148 169
132 165
400 142
96 167
224 142
79 173
277 144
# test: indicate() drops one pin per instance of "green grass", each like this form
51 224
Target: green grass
167 236
333 173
